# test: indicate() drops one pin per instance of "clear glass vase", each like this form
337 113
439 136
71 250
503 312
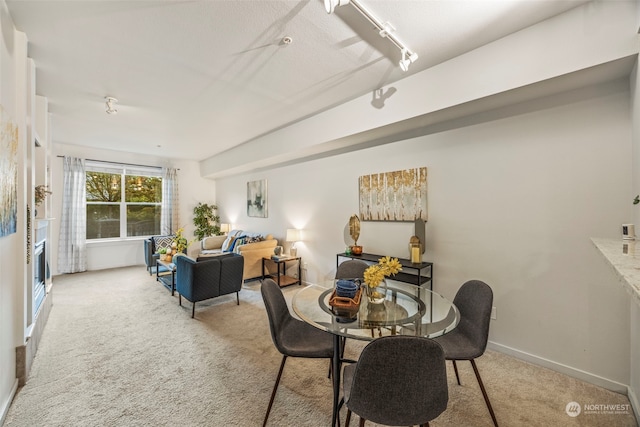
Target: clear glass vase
377 294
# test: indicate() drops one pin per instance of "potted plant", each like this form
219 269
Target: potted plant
206 220
163 254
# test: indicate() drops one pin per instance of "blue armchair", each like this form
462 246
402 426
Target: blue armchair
209 277
151 246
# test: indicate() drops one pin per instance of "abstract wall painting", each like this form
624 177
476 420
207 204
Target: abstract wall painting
8 174
257 198
394 196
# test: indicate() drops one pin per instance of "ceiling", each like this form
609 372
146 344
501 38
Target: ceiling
195 78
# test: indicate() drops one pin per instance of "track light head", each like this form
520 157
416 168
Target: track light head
407 60
111 105
330 5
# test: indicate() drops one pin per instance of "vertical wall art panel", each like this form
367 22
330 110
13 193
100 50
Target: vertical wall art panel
257 198
8 174
394 196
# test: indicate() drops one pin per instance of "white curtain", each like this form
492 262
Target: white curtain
169 221
72 253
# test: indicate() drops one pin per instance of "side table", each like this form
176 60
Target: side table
280 277
166 274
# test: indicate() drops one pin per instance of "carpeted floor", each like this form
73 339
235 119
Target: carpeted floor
119 351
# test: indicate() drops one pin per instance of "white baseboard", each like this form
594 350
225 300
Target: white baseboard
563 369
7 403
633 399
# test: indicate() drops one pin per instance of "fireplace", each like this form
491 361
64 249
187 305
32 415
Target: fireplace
39 266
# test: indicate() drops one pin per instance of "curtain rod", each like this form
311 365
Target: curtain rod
121 163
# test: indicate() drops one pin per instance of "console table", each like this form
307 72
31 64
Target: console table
423 270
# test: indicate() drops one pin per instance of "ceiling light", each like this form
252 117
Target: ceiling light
385 30
111 105
330 5
407 60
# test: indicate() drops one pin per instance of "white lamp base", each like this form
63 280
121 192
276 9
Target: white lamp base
293 251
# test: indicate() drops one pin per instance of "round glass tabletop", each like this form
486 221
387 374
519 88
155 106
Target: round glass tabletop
406 310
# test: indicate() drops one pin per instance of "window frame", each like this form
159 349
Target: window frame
123 170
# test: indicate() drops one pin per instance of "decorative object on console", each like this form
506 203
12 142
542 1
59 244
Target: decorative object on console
374 278
293 235
415 250
206 220
277 251
354 231
41 192
628 232
257 198
394 196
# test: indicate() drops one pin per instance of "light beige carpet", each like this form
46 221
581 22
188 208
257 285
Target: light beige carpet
119 351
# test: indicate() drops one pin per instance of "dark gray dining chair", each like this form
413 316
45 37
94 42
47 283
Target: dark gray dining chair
351 269
292 337
468 340
397 381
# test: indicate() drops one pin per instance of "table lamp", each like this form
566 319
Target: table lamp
224 228
293 235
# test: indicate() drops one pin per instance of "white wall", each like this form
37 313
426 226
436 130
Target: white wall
13 77
116 253
513 202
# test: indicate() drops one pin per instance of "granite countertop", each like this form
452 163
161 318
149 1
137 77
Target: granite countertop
624 257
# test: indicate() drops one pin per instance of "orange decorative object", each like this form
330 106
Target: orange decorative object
356 250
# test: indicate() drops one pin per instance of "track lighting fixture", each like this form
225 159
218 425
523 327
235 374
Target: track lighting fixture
111 105
330 5
407 60
386 30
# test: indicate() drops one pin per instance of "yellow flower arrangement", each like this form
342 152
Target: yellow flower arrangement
180 242
376 273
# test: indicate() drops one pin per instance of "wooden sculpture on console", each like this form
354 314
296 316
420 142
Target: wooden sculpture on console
354 231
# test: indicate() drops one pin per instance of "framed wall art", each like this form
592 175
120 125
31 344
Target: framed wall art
8 174
257 198
394 196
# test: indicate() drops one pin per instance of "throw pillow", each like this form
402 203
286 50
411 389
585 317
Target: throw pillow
239 241
163 242
227 244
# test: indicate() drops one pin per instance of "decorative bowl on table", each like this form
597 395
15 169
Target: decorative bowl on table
346 288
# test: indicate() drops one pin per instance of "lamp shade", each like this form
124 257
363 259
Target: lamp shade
294 235
224 228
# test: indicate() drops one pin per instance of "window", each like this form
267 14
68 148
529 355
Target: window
122 201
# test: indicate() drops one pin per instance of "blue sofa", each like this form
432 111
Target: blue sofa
208 277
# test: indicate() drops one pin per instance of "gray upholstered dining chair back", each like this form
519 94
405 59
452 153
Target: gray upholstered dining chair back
468 340
351 269
292 337
398 380
277 311
474 300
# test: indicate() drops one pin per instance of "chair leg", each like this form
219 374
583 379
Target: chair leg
275 388
193 310
348 419
455 368
484 393
362 420
238 297
180 300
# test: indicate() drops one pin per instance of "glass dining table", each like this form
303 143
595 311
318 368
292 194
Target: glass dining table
406 310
